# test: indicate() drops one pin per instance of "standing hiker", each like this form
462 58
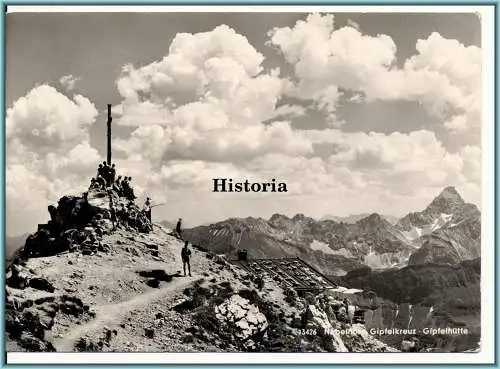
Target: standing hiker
105 173
185 254
112 175
178 228
147 208
99 171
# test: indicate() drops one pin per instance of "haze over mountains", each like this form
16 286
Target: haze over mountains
353 218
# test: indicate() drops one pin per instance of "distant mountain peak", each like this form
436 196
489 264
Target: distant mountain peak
373 220
446 201
450 191
278 216
299 217
375 216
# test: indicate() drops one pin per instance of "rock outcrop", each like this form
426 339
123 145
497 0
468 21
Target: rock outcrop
78 223
242 317
28 319
318 321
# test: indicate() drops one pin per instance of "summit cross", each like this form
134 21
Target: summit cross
109 134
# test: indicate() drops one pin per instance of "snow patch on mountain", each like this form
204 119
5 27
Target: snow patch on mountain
323 247
413 234
441 221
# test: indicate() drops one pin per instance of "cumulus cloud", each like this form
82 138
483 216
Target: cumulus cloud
325 59
68 81
400 163
48 152
45 119
353 24
197 64
444 75
206 100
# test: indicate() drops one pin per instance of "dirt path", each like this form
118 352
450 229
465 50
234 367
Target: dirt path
113 314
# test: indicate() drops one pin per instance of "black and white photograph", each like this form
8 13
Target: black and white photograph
248 181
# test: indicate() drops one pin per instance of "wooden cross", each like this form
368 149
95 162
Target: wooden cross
109 134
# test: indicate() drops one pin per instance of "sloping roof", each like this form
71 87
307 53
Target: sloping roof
291 272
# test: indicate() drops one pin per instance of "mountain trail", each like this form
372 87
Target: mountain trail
113 314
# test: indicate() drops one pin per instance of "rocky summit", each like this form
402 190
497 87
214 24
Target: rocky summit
448 230
99 276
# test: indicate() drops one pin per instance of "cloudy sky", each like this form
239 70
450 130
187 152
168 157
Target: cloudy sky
355 112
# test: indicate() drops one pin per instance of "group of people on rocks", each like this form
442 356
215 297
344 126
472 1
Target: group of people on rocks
123 187
127 215
106 178
106 174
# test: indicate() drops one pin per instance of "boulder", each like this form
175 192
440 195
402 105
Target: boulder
155 283
188 338
103 247
35 321
35 344
149 332
71 305
241 316
42 284
85 344
17 278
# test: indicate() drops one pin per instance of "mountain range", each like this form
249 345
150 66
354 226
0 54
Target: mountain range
447 231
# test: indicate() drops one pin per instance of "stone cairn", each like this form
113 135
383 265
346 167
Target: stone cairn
79 222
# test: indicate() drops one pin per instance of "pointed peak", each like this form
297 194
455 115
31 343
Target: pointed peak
450 190
451 193
373 219
448 199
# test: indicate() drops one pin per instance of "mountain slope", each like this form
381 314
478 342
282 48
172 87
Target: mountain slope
448 230
427 295
429 282
13 244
